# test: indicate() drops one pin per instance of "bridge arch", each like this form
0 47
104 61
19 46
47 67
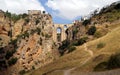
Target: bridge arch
59 34
65 27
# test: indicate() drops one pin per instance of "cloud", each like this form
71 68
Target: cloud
70 9
20 6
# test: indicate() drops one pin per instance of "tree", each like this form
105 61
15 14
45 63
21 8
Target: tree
12 61
86 22
117 6
92 30
24 15
8 14
114 61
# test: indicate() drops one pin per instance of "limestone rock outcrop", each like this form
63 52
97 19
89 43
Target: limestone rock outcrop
30 41
76 31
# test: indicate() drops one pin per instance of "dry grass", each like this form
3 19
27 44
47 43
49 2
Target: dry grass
76 58
107 27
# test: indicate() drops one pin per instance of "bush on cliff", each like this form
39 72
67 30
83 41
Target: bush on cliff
92 30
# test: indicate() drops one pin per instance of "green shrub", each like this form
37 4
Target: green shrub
27 20
40 42
8 14
37 21
47 36
12 61
117 6
13 42
22 72
92 30
64 45
80 41
26 34
62 48
38 31
75 43
75 31
32 31
10 53
114 61
15 17
19 36
71 48
86 22
97 34
101 66
24 15
42 34
100 45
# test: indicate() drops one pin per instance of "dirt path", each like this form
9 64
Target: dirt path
68 72
110 72
87 50
90 52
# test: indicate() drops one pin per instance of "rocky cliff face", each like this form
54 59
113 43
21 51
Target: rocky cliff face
76 32
28 43
4 29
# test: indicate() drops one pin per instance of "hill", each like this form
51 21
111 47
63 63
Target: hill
89 56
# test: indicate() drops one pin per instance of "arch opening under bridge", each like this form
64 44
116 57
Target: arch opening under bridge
59 32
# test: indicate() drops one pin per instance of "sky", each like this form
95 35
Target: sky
62 11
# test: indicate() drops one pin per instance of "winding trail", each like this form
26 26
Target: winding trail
87 50
90 52
68 72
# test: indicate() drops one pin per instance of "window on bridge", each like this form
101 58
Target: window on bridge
65 27
59 32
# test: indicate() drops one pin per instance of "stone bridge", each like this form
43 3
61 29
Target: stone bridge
59 34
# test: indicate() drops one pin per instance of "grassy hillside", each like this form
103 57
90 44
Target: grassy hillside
109 13
85 57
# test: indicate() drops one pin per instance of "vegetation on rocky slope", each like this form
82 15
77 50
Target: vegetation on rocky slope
94 26
15 17
96 55
30 44
86 58
108 14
